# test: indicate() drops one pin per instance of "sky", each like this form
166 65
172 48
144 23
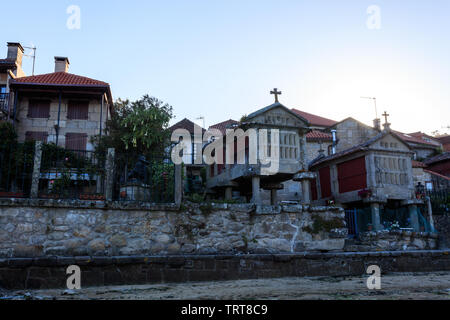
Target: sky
220 59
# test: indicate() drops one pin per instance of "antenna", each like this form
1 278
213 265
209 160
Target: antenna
202 118
33 56
375 102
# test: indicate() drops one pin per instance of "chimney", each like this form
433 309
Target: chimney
15 53
333 132
62 64
377 124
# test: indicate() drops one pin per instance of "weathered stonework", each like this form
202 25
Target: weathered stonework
394 241
34 228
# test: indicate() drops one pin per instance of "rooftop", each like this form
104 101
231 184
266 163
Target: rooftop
59 79
315 120
223 126
186 124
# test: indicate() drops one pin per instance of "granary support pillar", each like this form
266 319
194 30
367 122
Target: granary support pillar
273 188
228 193
414 217
375 213
256 191
305 181
413 213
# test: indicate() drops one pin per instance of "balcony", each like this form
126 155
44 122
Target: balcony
4 103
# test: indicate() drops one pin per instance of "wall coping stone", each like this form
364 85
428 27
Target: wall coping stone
180 260
143 206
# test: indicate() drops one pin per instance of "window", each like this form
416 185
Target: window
39 109
36 136
78 110
76 141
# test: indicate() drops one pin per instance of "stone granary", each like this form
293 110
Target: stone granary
248 179
376 174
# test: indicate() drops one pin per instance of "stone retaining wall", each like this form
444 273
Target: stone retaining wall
42 273
395 240
35 228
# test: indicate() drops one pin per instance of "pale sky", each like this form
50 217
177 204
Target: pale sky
220 59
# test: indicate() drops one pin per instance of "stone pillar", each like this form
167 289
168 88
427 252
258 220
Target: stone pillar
305 180
273 197
430 213
109 167
178 185
256 192
375 212
36 170
228 193
306 191
414 217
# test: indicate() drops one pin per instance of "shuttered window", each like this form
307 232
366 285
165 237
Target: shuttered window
78 110
352 175
76 141
36 136
39 109
325 182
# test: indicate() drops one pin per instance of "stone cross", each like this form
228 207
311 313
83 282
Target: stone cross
276 93
386 115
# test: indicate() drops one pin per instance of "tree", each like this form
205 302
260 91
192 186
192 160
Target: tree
138 127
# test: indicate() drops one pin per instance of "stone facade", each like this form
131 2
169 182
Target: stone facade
91 126
47 228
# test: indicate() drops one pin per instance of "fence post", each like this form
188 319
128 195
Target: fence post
34 194
109 167
178 185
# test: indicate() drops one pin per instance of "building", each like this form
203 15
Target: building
249 180
375 176
445 141
440 164
192 158
351 132
58 107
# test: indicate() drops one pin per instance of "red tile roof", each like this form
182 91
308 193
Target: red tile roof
413 139
315 120
187 125
60 78
316 135
223 126
418 164
441 157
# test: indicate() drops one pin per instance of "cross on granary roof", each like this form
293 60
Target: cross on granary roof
276 93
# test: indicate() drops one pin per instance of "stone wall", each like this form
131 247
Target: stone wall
34 228
41 273
393 241
442 225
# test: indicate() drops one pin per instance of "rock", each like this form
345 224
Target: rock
118 241
97 245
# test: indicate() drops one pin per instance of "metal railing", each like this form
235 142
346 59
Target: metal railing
440 201
71 174
16 170
144 179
